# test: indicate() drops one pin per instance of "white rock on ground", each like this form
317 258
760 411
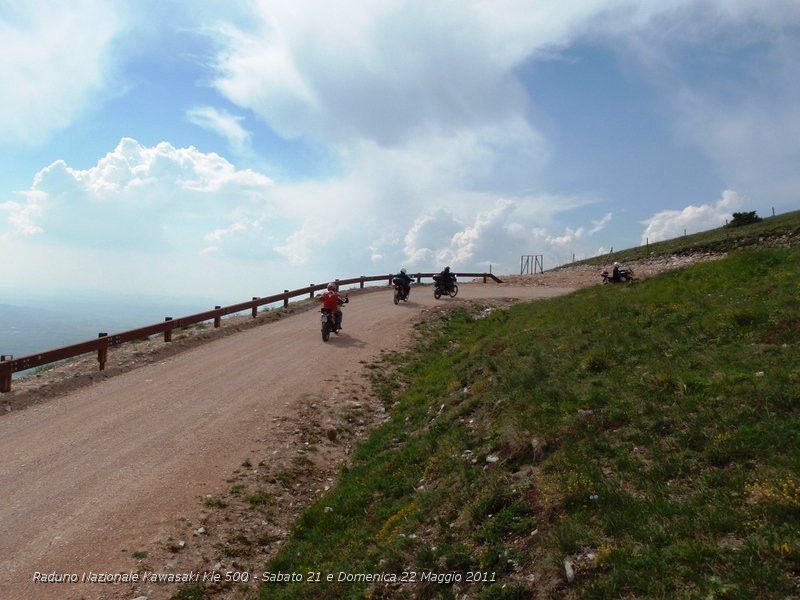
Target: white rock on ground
569 570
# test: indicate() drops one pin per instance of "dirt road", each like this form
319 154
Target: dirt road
88 478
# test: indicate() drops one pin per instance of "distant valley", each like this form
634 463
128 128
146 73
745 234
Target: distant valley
37 322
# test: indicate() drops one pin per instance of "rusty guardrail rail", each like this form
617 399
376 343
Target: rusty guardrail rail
10 365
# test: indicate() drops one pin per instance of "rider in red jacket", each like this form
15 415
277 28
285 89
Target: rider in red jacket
332 300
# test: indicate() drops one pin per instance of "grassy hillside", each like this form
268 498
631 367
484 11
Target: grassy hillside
650 434
721 239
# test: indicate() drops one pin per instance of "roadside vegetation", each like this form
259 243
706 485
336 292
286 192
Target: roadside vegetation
646 436
779 230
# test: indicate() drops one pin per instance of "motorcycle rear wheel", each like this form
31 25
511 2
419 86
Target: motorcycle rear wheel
437 293
396 297
454 291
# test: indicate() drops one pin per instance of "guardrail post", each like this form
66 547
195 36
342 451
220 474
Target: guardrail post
419 277
361 283
484 278
168 330
5 377
337 285
102 352
285 299
311 290
217 318
255 308
390 279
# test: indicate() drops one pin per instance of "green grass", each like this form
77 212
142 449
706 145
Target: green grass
258 498
215 502
192 592
721 239
649 432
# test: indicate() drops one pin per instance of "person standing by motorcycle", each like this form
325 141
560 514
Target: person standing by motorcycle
402 278
616 277
332 300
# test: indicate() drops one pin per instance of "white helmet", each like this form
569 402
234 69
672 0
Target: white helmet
331 287
403 270
616 264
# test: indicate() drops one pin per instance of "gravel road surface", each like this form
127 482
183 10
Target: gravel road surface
89 477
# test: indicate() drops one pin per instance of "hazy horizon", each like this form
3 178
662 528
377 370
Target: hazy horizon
31 323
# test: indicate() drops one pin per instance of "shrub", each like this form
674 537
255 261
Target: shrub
744 218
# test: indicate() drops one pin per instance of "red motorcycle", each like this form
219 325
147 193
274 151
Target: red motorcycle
329 322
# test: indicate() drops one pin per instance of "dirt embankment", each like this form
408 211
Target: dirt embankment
584 275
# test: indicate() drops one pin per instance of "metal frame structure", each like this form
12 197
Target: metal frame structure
530 264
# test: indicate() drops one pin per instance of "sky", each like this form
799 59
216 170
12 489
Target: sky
233 149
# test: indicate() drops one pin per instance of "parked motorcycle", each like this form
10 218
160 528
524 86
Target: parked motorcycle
441 289
400 292
624 275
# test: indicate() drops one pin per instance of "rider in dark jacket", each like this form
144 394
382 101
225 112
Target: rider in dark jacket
445 279
402 278
615 275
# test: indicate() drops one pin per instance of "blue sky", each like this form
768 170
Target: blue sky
232 149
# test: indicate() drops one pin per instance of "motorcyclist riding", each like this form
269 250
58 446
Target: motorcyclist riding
445 279
332 300
402 278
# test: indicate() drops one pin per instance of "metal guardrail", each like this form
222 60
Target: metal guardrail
10 365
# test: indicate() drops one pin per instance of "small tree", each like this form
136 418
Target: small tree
744 218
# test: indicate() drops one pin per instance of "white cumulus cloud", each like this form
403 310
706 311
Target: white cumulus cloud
420 104
497 236
388 69
693 218
141 197
429 235
22 216
380 70
423 105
